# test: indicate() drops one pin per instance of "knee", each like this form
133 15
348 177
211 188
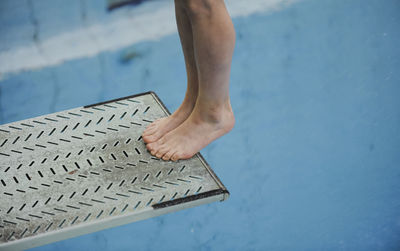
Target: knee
200 8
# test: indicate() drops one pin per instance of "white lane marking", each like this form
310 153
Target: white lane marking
145 25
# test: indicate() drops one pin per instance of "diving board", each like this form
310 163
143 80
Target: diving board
86 169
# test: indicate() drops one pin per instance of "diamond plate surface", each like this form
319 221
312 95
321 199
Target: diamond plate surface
86 169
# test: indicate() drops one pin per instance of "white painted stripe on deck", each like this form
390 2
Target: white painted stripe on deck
145 24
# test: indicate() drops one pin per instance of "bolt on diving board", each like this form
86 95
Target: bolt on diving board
86 169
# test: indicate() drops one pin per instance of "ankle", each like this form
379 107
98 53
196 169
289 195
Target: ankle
188 104
190 97
185 109
215 113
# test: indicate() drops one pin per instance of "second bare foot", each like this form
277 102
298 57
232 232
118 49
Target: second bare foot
160 127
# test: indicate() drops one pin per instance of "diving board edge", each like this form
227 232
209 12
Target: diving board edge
106 223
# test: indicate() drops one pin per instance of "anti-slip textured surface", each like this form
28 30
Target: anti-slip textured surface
73 169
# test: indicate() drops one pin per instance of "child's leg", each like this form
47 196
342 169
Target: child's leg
160 127
212 116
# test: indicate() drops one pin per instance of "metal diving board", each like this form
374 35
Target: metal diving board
86 169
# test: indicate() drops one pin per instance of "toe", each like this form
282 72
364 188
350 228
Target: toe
152 124
150 138
161 151
148 127
154 137
151 146
161 140
175 156
155 122
186 155
154 150
168 155
149 131
159 154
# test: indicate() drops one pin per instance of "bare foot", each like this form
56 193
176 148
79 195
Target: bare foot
161 126
203 126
